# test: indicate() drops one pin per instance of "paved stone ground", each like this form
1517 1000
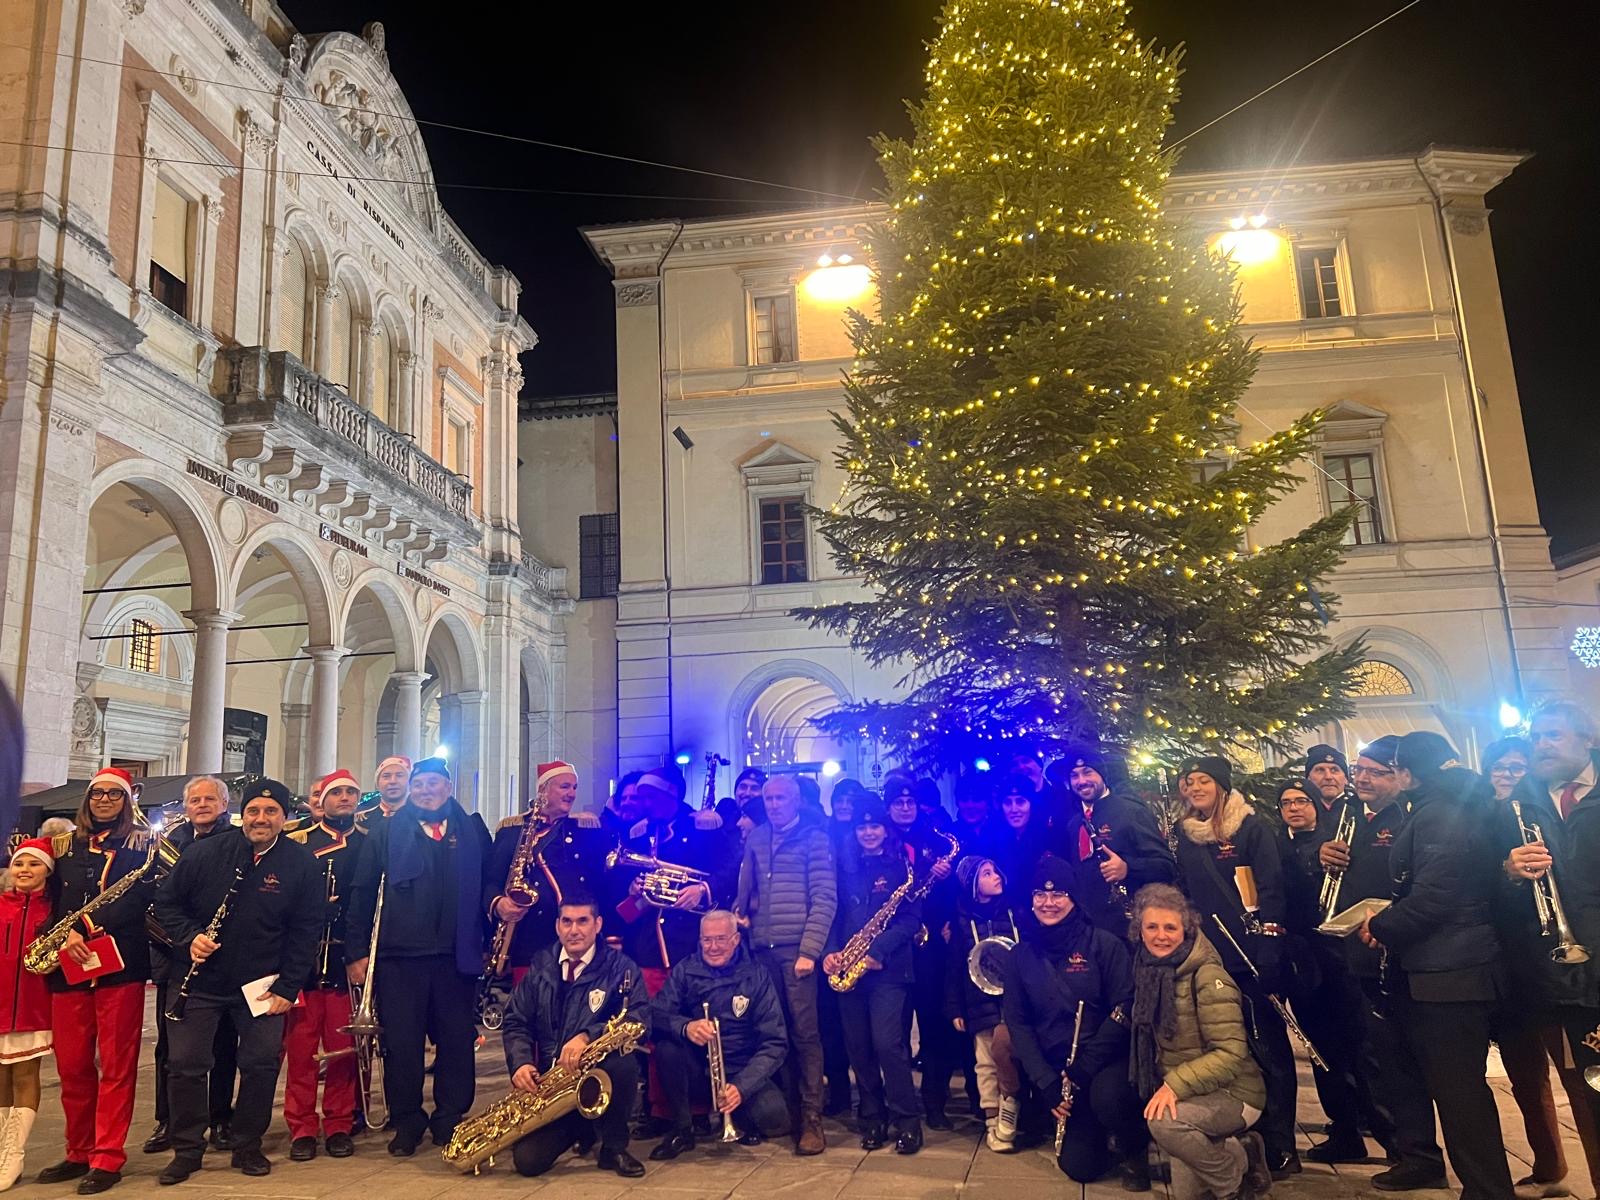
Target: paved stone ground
950 1165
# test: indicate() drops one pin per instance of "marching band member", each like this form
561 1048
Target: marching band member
983 911
99 1019
570 856
314 1024
623 807
1021 836
205 807
1558 796
1228 862
314 801
393 783
1297 851
1446 976
571 990
1113 840
1062 960
432 858
747 798
253 966
873 1011
1328 771
25 911
974 811
1191 1054
835 1054
741 998
787 890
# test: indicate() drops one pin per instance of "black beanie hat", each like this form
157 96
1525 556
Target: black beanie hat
1425 753
1381 749
1210 764
1304 786
1091 757
869 809
430 766
1323 753
268 789
1053 874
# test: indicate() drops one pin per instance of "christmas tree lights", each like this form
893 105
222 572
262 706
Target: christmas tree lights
1053 359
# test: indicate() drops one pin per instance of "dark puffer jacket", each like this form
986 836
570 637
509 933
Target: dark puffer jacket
787 887
962 997
754 1036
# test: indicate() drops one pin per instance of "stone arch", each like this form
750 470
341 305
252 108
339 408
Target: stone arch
306 569
177 501
392 602
158 612
1431 703
457 657
756 683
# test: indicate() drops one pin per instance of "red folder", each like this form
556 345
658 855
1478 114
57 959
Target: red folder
105 959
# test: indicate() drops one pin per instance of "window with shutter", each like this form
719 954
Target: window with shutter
169 249
339 342
289 304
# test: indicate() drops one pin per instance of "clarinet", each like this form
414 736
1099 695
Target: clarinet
181 1000
1066 1082
1277 1002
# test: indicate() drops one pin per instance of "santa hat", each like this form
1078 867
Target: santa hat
338 777
39 848
112 777
400 760
550 770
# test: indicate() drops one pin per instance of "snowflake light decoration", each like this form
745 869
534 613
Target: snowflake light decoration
1586 645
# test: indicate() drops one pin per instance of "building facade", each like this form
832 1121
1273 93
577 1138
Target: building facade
1370 288
258 486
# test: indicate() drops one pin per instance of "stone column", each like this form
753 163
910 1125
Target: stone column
322 343
208 694
324 709
362 381
295 719
408 713
404 416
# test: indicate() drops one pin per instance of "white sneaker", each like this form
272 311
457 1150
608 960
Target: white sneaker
1002 1134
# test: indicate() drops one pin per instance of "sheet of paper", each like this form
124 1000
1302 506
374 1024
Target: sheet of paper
258 987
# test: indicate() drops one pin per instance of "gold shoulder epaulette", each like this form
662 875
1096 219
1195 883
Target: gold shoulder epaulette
299 835
60 843
509 823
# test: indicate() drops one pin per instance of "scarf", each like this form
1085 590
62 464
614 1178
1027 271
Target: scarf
1155 1012
407 862
1056 942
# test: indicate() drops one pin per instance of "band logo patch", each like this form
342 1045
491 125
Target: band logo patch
597 997
740 1005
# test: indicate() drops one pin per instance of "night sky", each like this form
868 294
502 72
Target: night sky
791 93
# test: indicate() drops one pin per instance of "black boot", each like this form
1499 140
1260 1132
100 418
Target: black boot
874 1137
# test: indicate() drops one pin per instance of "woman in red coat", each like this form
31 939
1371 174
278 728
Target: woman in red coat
24 1001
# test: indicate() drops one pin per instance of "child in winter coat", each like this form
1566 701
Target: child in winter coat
984 911
24 1001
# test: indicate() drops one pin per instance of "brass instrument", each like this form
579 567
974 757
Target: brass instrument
1277 1002
330 899
520 890
366 1035
854 954
662 882
708 802
1066 1083
1547 901
1333 880
44 955
987 958
586 1089
719 1075
180 1001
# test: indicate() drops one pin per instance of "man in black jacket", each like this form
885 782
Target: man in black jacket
1328 771
562 1005
739 994
205 808
1113 840
431 859
253 968
1446 976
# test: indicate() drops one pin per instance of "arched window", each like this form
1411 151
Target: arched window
289 302
339 327
382 373
778 729
1375 678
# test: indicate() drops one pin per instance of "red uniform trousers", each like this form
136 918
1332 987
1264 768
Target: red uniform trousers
314 1026
99 1106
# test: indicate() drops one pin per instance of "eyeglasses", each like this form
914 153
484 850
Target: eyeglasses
106 793
1288 800
1374 772
1514 770
1037 896
718 940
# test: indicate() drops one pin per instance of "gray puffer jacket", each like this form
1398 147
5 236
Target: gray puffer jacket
787 887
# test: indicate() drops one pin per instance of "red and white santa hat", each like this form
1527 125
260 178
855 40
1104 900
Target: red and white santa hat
399 760
37 848
551 770
338 777
112 777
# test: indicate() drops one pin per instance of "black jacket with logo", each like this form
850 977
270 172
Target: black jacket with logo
545 1013
1041 1001
1245 840
273 921
1368 877
180 839
865 884
754 1036
1128 828
962 997
336 853
87 868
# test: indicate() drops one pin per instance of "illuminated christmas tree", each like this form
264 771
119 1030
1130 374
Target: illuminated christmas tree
1044 490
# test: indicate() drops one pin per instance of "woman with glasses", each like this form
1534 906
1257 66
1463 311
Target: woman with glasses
1506 763
1078 1068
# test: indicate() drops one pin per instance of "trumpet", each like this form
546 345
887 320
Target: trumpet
719 1075
1547 900
1284 1014
662 882
1333 881
366 1035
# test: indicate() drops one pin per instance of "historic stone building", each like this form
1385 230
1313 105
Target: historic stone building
258 487
1370 288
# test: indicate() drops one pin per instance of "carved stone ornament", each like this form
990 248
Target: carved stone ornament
297 51
343 572
423 603
1468 222
432 310
376 38
636 294
133 8
181 71
366 128
85 723
258 138
231 521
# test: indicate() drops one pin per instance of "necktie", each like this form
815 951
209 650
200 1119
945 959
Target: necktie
571 967
435 830
1085 842
1569 799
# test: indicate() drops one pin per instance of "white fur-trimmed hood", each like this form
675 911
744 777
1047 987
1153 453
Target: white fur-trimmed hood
1202 832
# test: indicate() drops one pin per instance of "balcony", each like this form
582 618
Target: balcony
303 438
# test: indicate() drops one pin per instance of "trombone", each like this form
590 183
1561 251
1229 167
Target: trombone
1547 900
366 1035
1333 881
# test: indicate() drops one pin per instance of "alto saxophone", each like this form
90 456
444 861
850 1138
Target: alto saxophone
585 1088
853 964
718 1069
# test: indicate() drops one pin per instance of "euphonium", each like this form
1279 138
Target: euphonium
662 882
44 955
1332 882
1591 1074
586 1088
1547 901
366 1035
